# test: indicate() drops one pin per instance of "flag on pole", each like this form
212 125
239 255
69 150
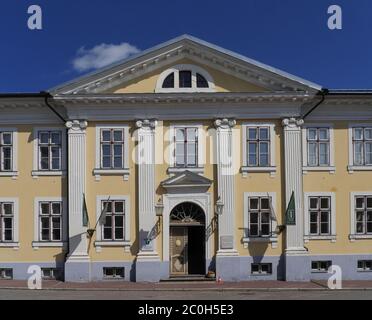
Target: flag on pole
85 213
102 217
272 211
290 214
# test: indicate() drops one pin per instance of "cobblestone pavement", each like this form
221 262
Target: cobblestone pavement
23 294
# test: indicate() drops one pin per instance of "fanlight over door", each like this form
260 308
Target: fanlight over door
187 213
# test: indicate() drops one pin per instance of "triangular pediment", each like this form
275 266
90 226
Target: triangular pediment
247 75
186 179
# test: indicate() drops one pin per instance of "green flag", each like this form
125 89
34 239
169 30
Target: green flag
85 213
290 214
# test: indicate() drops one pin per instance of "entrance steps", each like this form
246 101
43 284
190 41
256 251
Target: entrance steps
188 278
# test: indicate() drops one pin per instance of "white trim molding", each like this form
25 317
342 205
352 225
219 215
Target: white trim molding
15 243
37 243
98 171
14 172
201 148
273 239
351 167
184 67
36 172
307 236
331 167
99 242
245 169
353 235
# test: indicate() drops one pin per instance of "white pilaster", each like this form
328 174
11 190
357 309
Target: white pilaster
76 189
294 183
226 188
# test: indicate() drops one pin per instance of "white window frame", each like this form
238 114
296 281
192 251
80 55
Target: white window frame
305 167
172 148
99 242
36 172
274 237
98 172
37 235
185 67
15 243
14 172
353 235
245 169
307 236
351 167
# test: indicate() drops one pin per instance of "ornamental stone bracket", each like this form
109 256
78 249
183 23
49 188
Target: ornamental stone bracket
224 123
292 123
77 126
147 124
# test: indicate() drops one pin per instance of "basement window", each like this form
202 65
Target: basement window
365 265
261 268
320 266
49 273
113 273
6 274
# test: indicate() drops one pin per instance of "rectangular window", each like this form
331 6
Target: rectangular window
6 273
6 222
318 147
50 150
320 266
186 147
320 216
50 221
114 220
112 148
363 214
113 273
261 268
50 273
365 265
259 217
258 146
6 151
362 146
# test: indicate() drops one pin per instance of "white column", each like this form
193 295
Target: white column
76 188
294 182
226 188
146 186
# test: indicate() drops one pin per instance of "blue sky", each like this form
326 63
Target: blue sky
291 35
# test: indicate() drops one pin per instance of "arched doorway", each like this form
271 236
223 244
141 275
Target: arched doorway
187 240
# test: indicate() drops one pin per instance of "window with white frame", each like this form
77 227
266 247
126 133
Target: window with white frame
363 215
113 227
50 150
185 78
320 266
258 146
261 268
320 215
259 217
362 146
6 151
318 146
186 147
50 221
364 265
6 222
112 148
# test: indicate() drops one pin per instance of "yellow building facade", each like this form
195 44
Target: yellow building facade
186 160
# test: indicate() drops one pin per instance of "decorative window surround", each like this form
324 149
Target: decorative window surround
14 173
331 168
98 172
245 169
353 235
274 238
180 67
36 172
351 167
36 244
15 243
307 236
201 143
126 243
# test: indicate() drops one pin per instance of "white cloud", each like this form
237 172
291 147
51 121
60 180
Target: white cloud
102 55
